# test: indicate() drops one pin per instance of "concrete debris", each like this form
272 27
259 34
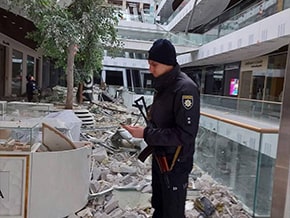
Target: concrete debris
86 213
110 206
121 184
100 154
111 106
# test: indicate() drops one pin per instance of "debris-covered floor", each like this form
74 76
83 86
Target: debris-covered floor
121 184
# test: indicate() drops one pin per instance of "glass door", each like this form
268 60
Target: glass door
30 65
245 84
2 70
258 87
17 68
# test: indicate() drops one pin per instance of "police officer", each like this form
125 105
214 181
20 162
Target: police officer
32 91
173 125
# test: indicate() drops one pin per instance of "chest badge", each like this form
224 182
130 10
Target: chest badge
187 101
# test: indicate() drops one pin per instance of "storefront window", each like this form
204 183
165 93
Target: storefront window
17 67
2 70
256 77
37 70
30 65
258 87
274 88
214 81
114 78
277 61
275 77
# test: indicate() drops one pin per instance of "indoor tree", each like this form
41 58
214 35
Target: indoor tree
75 35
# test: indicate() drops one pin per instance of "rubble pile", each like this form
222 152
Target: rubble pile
116 172
225 202
55 94
120 184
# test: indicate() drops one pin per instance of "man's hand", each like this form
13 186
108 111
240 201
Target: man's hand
135 131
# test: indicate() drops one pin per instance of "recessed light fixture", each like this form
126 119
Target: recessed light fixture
13 22
4 16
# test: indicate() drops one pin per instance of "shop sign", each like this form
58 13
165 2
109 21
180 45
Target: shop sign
256 64
233 66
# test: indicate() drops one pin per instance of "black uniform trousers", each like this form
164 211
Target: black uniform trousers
169 190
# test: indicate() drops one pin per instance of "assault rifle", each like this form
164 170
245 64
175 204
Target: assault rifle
149 149
144 111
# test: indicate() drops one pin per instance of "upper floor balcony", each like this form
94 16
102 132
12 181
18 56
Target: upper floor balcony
244 35
189 14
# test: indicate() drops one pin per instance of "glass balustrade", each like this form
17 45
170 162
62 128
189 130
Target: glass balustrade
241 158
257 109
251 15
181 38
184 39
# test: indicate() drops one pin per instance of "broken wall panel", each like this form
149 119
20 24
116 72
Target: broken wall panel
64 187
34 182
13 185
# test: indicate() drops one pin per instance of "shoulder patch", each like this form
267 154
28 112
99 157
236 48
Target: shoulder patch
187 101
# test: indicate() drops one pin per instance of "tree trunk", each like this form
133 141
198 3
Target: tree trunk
70 75
80 94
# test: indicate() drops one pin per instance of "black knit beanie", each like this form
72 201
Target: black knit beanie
163 51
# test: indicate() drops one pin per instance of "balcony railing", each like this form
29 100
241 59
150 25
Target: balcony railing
256 109
237 145
241 157
247 17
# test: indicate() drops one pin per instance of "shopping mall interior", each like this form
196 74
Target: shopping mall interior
237 51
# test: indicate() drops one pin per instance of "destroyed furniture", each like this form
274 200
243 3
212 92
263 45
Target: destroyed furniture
66 122
41 177
18 109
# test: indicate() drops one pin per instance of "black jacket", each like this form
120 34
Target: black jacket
31 88
174 114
